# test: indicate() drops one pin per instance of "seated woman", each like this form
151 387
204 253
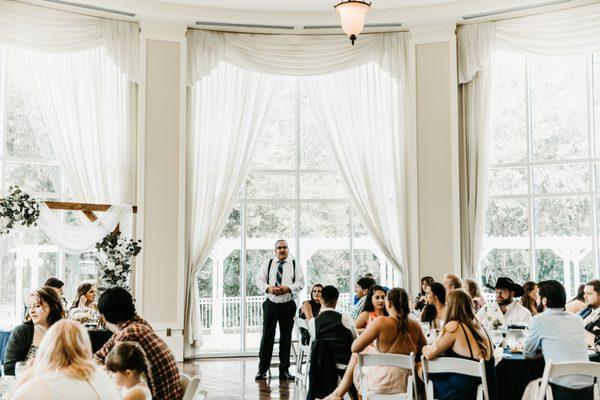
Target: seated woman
472 287
44 309
64 369
435 310
529 299
462 337
84 303
310 309
420 300
577 305
393 334
374 307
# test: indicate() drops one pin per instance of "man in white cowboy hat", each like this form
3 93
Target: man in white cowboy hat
505 310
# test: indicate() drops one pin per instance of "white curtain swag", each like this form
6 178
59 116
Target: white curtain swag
30 27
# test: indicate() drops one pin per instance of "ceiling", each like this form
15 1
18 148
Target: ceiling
299 5
293 16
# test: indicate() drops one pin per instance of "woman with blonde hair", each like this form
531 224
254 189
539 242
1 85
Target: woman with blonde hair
462 337
471 287
64 369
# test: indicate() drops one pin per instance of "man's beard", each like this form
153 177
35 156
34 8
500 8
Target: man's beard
504 302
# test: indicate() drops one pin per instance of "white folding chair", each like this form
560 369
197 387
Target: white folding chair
303 351
189 386
455 365
555 370
391 360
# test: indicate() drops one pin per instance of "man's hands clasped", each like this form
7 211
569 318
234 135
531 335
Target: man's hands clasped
278 290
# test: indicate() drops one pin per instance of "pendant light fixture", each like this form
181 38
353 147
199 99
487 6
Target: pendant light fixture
352 15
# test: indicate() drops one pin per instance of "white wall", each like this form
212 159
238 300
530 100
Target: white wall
161 194
437 151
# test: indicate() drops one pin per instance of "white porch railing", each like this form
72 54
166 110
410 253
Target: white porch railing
224 315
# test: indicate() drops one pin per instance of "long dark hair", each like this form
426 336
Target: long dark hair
369 299
460 309
429 313
427 281
579 295
399 300
49 298
528 301
81 290
312 299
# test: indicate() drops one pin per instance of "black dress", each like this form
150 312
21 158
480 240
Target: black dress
315 307
455 386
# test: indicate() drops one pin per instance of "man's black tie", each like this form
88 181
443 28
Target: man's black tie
279 276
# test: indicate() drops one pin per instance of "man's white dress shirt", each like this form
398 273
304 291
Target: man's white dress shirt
515 314
263 281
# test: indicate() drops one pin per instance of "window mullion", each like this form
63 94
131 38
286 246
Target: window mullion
530 216
592 164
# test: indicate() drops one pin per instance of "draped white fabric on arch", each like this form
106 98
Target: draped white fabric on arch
563 32
83 238
377 194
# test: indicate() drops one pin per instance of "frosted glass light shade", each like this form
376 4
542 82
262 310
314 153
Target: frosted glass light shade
352 15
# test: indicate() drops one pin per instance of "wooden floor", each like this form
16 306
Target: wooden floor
233 378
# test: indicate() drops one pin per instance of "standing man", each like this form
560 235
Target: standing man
280 278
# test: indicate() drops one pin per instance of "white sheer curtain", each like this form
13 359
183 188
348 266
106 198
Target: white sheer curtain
84 100
85 71
362 117
572 31
228 109
382 131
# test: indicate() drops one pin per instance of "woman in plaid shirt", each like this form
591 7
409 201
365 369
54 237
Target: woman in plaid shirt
118 309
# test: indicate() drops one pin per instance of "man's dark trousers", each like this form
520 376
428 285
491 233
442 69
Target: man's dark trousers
273 313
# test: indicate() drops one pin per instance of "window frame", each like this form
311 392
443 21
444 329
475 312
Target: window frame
592 160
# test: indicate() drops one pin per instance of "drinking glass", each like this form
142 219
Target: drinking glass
20 368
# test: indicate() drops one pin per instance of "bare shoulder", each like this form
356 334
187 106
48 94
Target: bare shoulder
135 394
451 326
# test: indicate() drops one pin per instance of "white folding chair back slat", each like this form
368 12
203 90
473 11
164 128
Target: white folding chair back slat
184 381
303 352
556 370
388 360
190 386
455 366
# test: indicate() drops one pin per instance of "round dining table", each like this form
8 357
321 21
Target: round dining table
514 372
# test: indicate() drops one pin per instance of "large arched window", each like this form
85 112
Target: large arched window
294 192
542 219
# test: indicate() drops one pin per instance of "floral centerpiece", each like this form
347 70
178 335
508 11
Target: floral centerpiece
18 208
116 253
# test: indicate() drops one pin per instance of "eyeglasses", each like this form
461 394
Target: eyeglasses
281 247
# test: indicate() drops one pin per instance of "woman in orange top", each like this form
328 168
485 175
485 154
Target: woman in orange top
374 307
